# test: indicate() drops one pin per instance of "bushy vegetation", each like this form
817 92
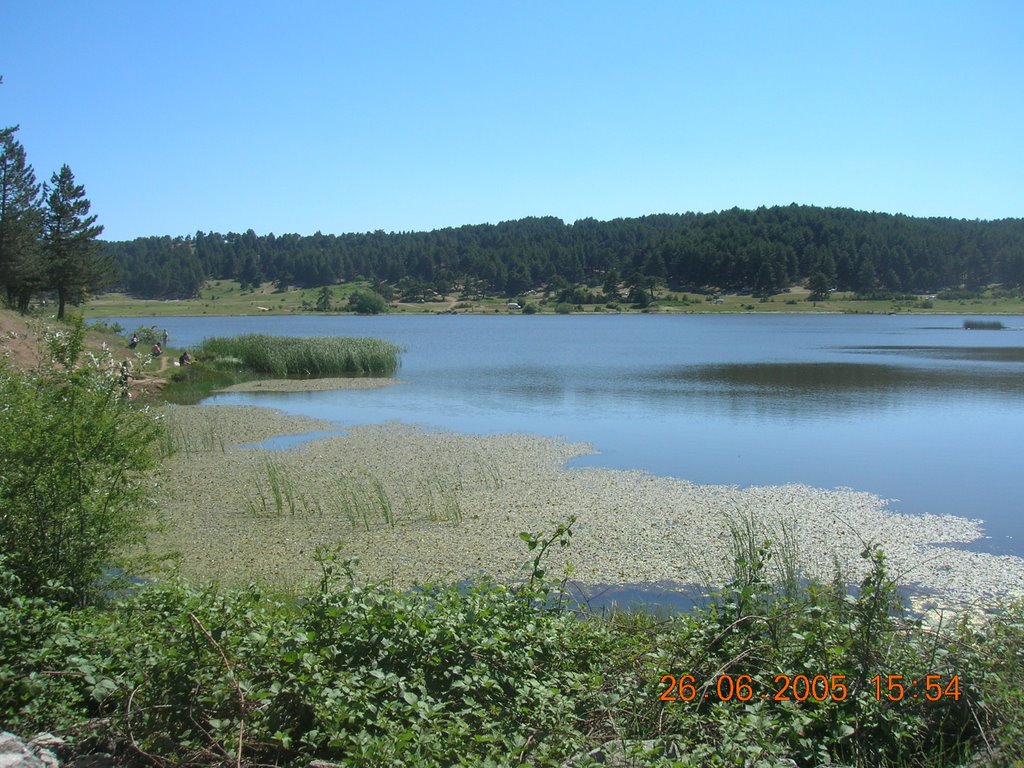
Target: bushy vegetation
71 462
499 675
306 356
367 303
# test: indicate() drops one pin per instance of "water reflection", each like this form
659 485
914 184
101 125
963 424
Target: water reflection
813 389
973 354
534 382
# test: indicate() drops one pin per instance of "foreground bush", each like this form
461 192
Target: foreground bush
307 356
72 454
495 675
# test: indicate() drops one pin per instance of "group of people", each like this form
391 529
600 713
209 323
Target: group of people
156 351
134 342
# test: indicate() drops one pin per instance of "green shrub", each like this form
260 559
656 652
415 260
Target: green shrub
502 675
367 302
71 463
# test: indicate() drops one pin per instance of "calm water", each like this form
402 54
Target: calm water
912 408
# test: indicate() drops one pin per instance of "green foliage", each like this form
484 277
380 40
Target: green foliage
640 298
306 356
21 267
75 264
820 287
323 300
481 674
357 674
763 249
71 492
367 303
489 674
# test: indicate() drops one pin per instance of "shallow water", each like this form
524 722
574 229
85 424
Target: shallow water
913 408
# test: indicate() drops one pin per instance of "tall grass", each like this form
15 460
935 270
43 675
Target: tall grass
274 496
307 356
363 498
200 439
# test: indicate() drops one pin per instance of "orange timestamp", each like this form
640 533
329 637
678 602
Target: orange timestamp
807 687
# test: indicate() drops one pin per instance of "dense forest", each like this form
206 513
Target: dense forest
762 251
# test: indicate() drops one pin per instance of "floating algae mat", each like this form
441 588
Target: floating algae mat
416 505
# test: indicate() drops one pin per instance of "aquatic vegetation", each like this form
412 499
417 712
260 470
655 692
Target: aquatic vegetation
306 356
983 325
363 498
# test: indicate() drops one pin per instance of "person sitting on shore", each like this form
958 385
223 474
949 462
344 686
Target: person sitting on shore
134 342
185 359
126 378
157 350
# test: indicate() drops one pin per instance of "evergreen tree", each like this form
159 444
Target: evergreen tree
611 284
323 301
74 262
866 278
820 287
19 222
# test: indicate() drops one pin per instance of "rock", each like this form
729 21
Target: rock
15 753
44 746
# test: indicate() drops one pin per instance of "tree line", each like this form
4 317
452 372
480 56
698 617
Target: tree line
763 251
48 239
49 246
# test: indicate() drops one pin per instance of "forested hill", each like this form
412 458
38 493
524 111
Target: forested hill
763 250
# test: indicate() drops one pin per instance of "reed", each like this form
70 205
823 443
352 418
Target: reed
307 356
273 489
361 497
197 440
983 325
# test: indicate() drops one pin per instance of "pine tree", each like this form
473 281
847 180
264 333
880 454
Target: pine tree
819 286
74 261
20 221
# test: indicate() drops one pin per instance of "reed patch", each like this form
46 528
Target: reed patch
310 357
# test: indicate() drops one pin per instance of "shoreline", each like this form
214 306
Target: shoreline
413 311
309 385
417 505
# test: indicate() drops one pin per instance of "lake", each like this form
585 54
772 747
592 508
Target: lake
913 408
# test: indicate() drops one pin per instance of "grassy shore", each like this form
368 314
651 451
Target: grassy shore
225 297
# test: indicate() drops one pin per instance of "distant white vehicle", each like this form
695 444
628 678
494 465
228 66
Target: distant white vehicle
513 305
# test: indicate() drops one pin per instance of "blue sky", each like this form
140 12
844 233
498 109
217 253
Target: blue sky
350 116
